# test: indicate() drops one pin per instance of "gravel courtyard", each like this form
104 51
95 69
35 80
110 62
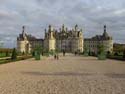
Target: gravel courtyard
68 75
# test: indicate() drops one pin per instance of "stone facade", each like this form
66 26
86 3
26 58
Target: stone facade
92 43
64 39
26 43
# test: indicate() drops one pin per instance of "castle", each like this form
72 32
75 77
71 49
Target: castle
92 43
64 40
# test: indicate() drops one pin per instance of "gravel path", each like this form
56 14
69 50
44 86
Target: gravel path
68 75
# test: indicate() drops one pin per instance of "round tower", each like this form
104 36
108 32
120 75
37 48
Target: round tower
50 41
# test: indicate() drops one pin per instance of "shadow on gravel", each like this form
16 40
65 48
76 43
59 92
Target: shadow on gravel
110 75
58 74
115 75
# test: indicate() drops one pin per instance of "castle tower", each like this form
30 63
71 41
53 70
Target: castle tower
50 41
105 34
23 44
76 27
63 28
104 28
77 42
108 41
80 41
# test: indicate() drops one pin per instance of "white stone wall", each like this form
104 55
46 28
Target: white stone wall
93 45
52 44
22 46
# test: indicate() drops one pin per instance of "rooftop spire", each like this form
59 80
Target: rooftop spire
104 28
63 27
105 34
50 28
76 27
23 29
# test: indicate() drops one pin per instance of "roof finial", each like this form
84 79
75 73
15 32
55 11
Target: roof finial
104 28
105 34
23 29
50 28
76 27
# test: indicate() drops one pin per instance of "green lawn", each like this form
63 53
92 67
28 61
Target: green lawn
4 55
4 61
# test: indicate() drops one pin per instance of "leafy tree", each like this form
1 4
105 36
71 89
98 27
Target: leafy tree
108 53
100 49
57 50
7 53
23 53
14 54
38 48
124 54
37 51
86 51
115 54
118 48
101 52
33 53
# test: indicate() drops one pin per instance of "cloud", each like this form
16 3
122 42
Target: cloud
90 15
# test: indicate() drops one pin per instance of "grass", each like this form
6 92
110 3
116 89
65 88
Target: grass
4 55
4 61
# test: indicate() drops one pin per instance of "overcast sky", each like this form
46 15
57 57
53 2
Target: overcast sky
36 15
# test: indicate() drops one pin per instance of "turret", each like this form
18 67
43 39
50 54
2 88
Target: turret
46 33
22 42
104 28
50 28
105 34
76 27
49 42
63 28
23 31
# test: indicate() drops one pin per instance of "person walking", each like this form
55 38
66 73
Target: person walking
55 56
64 52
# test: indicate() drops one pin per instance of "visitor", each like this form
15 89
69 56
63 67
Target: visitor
55 56
64 52
75 53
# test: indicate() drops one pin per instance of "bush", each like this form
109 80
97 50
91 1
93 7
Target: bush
24 57
86 51
101 52
14 55
108 53
124 54
7 54
33 53
115 54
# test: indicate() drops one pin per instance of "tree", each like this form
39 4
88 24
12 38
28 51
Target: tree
7 53
33 53
100 49
124 54
101 52
86 51
14 54
108 53
37 51
118 48
115 54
